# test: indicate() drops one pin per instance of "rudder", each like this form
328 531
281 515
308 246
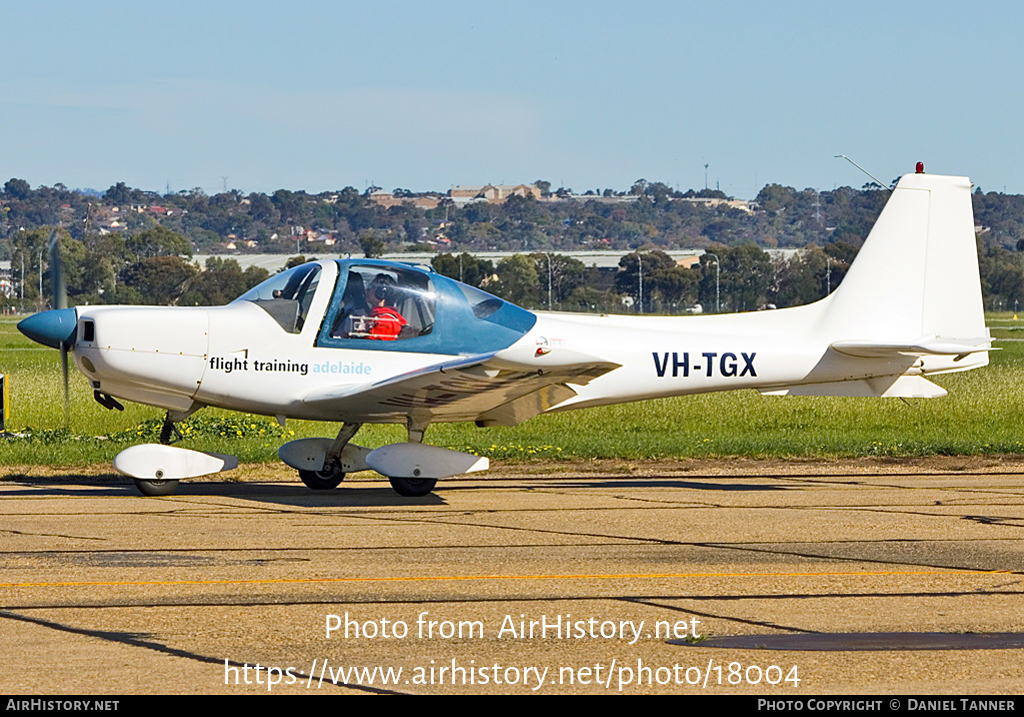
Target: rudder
916 277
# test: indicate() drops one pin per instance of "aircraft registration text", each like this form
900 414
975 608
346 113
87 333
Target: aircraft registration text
707 363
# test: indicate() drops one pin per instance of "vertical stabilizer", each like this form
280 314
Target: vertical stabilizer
916 277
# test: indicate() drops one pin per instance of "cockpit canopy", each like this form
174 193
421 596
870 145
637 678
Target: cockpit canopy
287 296
384 303
391 306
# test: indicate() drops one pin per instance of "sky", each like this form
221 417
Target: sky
317 96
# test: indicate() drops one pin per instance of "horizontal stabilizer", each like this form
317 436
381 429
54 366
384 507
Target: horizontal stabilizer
878 387
926 346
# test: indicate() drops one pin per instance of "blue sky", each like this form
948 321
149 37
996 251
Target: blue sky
587 95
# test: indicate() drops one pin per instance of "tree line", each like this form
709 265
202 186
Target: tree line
727 279
649 218
648 213
154 266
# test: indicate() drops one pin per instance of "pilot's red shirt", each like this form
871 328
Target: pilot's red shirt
387 323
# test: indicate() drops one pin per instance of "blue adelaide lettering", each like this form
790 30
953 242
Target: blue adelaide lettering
343 367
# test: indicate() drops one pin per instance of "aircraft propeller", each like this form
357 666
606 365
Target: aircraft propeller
58 327
59 300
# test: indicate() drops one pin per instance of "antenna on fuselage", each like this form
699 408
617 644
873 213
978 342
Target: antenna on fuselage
886 187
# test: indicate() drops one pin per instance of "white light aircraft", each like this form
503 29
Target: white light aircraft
361 341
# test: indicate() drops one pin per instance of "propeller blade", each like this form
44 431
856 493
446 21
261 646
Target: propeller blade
58 290
64 373
59 300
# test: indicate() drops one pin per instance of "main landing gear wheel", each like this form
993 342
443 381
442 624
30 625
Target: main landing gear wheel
155 487
413 487
326 479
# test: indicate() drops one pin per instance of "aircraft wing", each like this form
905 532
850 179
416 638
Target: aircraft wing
501 388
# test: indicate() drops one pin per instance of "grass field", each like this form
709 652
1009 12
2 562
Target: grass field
981 415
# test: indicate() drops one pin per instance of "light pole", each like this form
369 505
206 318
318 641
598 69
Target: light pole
40 261
640 277
549 280
718 295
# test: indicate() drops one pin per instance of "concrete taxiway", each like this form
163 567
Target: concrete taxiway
757 578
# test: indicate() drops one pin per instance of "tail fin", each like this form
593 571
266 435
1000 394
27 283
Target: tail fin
914 288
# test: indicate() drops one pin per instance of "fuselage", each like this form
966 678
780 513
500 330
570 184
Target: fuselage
241 357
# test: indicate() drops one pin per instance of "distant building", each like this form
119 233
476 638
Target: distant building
6 279
742 204
388 200
492 193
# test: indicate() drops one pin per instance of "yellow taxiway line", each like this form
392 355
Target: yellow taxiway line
442 578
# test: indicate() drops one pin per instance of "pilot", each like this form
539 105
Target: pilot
387 322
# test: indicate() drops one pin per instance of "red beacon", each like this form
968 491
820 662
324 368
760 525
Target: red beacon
920 168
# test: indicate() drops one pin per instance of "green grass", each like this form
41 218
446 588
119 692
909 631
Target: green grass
981 415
